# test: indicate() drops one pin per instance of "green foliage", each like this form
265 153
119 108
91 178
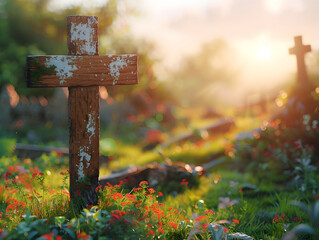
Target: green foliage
278 151
303 231
107 146
194 80
7 146
30 28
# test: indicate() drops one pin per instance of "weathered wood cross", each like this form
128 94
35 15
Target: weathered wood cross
82 71
300 50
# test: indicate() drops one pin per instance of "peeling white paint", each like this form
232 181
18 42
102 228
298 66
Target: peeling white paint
81 171
90 127
92 20
84 33
116 66
64 66
83 156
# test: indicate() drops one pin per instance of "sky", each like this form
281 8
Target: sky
259 32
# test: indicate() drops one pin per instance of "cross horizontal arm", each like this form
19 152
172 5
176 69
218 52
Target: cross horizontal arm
72 71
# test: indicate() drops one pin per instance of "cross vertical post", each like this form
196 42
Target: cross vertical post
84 108
300 50
82 71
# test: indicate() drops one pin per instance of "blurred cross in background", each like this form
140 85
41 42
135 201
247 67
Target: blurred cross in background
300 50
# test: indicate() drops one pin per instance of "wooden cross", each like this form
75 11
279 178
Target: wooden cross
300 50
82 71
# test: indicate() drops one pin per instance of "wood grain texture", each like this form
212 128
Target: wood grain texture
84 140
71 71
84 111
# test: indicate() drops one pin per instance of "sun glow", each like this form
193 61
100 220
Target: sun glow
263 53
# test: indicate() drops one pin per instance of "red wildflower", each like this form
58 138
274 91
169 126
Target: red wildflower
151 190
160 230
235 221
34 174
137 189
90 206
116 216
184 181
198 219
117 196
240 190
298 219
48 236
281 219
12 169
143 183
205 225
315 197
12 200
225 230
120 213
130 196
83 236
209 211
35 169
151 232
125 203
173 225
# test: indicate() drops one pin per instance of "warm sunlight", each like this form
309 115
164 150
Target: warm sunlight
274 6
264 53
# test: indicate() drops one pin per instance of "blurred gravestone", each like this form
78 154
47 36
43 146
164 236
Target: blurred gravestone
57 109
34 111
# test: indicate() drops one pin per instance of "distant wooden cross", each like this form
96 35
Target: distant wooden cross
82 71
300 50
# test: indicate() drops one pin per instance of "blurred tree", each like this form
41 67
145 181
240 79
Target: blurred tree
194 80
122 43
28 27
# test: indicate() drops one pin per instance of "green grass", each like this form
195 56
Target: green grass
256 209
